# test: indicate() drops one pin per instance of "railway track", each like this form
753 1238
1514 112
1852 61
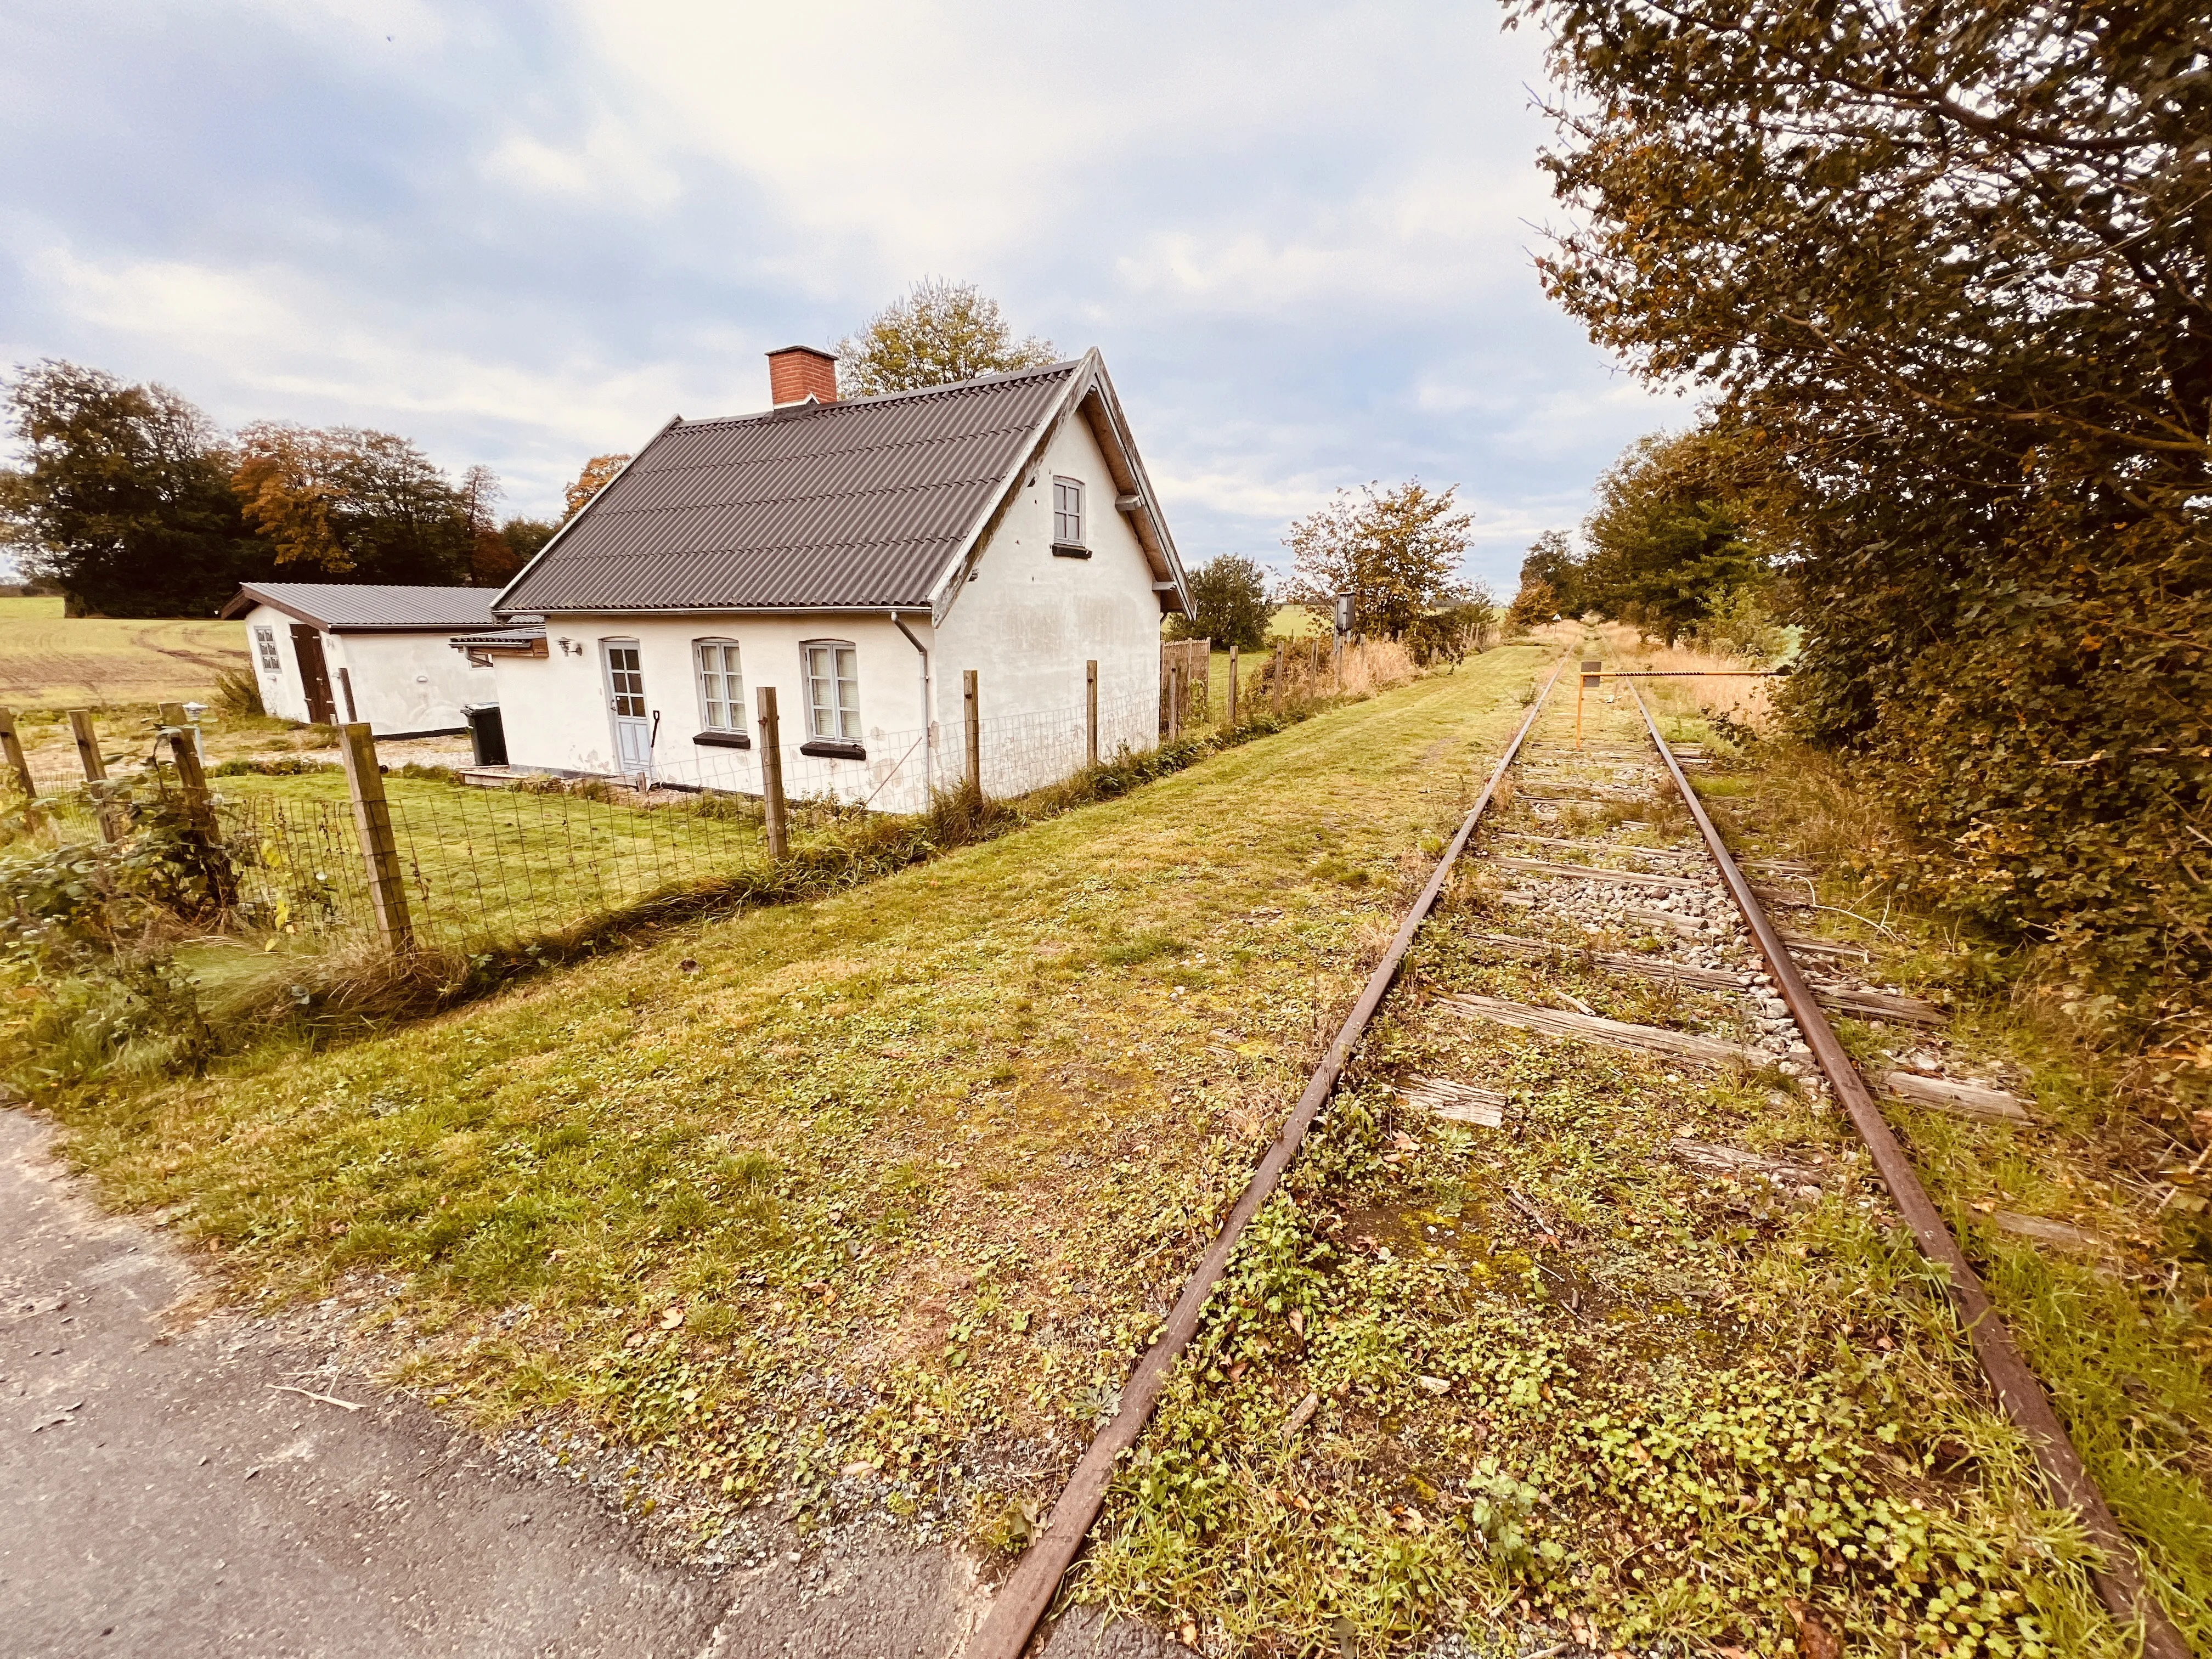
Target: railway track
1601 1138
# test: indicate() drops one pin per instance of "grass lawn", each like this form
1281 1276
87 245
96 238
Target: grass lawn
51 661
870 1200
481 864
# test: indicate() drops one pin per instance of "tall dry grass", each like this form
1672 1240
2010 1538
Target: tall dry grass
1741 702
1374 666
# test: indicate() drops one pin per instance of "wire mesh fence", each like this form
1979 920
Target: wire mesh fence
475 865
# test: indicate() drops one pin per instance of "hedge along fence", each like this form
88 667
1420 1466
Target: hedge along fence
102 886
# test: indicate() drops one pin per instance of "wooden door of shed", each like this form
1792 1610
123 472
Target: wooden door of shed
314 674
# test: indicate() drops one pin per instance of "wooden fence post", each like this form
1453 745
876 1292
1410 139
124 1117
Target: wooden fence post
1090 710
199 806
1174 700
971 720
771 763
1282 668
18 762
379 848
1232 688
88 744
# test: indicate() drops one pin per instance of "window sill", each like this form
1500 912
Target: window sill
833 749
1069 550
722 740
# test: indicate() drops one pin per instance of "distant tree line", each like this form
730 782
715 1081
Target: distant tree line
131 502
1683 540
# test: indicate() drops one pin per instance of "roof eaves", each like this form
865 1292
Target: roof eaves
944 590
253 596
1110 401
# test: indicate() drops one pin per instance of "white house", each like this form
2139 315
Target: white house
342 651
860 557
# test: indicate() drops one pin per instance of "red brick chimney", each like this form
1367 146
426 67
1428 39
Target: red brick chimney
798 373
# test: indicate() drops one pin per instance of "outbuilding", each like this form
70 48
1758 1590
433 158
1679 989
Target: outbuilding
329 653
862 558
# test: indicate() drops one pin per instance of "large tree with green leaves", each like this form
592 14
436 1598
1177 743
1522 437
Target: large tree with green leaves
1668 546
1397 552
1953 266
1229 604
122 497
936 333
1551 581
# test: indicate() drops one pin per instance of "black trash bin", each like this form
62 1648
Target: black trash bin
486 734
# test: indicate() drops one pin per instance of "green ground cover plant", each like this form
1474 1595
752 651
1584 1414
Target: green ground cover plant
862 1201
1551 1375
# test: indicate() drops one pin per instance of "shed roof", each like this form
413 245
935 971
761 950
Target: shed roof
853 505
369 608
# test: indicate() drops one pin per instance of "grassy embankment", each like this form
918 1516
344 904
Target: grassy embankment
1552 1371
875 1194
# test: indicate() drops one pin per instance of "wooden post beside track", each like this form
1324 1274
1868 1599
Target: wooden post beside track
1592 669
1232 689
1090 712
379 848
971 718
19 765
1282 670
771 764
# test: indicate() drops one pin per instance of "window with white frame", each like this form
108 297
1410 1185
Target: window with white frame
264 643
833 690
1067 512
721 685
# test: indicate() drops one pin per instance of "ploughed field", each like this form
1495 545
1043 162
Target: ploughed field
48 660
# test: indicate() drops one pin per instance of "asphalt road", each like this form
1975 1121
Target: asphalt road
164 1489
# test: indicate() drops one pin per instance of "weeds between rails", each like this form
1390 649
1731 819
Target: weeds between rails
1585 1376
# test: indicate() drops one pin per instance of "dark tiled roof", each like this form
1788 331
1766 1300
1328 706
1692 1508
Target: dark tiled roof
817 505
366 607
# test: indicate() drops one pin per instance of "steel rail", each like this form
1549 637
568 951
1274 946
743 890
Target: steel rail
1022 1600
2119 1585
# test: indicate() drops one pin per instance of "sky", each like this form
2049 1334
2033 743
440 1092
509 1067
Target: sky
1302 235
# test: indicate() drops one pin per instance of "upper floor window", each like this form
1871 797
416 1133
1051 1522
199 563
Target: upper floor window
264 643
1067 512
833 690
721 685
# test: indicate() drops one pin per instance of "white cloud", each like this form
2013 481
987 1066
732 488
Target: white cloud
278 343
611 166
1302 231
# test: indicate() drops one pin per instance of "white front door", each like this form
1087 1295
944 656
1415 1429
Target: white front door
626 698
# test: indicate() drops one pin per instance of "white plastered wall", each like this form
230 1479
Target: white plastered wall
1029 619
405 685
282 693
555 713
